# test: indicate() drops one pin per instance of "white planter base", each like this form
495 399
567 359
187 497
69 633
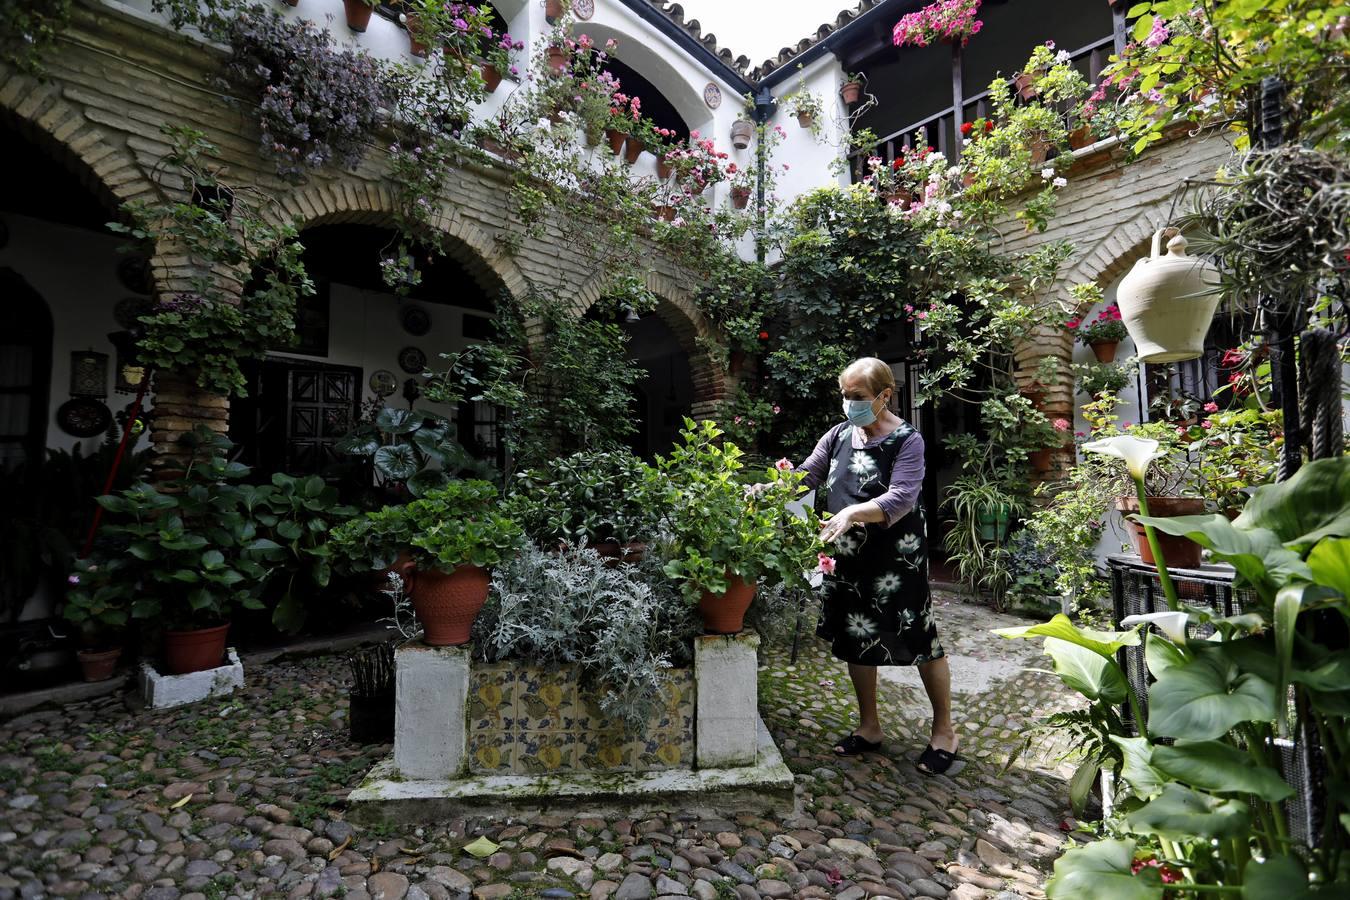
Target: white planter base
163 691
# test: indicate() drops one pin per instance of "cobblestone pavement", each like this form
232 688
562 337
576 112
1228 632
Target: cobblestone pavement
243 797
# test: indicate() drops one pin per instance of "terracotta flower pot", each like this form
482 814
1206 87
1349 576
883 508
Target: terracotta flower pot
1024 84
725 613
196 650
664 213
491 77
851 92
740 197
1167 302
633 149
291 2
742 130
806 119
557 58
1040 149
1105 351
447 603
663 168
1080 137
553 10
415 47
616 140
358 15
99 665
1180 552
1042 460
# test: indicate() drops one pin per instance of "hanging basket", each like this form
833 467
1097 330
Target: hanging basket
1167 302
742 130
851 92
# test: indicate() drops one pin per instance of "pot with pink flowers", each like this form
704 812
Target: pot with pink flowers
1104 333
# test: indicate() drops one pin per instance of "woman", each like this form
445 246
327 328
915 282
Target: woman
876 605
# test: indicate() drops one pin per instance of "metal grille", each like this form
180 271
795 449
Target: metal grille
1135 589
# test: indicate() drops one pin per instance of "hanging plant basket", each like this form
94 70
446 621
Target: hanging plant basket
358 14
851 92
633 149
806 119
1167 302
740 197
742 130
1105 351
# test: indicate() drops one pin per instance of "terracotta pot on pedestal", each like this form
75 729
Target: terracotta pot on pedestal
1180 552
1105 351
358 14
447 603
195 650
725 613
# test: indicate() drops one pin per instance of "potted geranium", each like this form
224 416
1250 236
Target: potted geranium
443 546
99 606
1103 333
947 21
850 91
724 539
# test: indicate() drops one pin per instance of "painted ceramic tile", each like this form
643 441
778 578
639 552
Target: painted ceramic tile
545 752
663 750
605 751
546 700
491 752
492 699
677 710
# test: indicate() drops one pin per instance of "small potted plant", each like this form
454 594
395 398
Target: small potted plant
443 546
851 89
1104 333
100 607
358 14
805 105
1096 379
723 538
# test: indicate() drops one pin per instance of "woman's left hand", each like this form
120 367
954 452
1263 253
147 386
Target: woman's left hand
838 523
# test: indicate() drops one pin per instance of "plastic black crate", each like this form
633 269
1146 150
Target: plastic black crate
1136 590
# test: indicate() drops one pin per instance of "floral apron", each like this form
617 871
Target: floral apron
876 608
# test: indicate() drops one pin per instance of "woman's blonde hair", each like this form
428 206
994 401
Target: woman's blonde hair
874 373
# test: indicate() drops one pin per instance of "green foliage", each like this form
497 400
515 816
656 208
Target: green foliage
1095 379
717 529
410 452
587 498
29 29
1236 452
207 331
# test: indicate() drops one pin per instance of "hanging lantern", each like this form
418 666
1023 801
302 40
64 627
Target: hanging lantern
88 374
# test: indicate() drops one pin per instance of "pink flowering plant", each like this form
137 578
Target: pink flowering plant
1106 327
945 21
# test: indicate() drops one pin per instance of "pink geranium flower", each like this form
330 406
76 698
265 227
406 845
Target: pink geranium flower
826 563
1211 407
783 465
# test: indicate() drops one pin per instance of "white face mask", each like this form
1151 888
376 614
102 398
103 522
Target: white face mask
859 412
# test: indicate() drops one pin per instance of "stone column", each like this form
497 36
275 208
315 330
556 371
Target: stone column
432 692
727 711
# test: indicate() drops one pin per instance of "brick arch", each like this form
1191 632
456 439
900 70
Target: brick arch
364 203
1118 249
676 309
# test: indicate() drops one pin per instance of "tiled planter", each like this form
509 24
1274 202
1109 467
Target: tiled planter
533 721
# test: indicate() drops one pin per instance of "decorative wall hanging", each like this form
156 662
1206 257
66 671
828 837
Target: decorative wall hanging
416 320
88 374
83 417
712 95
135 274
412 360
383 382
583 9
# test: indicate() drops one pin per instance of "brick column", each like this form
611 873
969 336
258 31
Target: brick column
179 407
1059 396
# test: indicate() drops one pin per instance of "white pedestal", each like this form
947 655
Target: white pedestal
727 705
432 685
162 691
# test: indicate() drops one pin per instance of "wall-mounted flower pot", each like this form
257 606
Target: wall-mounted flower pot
740 197
1181 552
358 16
413 22
724 613
1167 302
195 650
806 119
663 168
1080 137
1105 351
1040 149
742 130
557 59
633 149
664 214
616 140
1025 85
851 92
553 10
491 77
447 603
98 665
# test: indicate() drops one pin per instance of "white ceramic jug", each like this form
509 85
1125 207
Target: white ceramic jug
1167 302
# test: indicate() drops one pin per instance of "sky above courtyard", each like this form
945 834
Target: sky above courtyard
759 28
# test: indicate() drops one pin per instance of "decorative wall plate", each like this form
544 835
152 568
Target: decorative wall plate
712 95
83 417
583 9
135 275
383 382
412 360
129 309
416 320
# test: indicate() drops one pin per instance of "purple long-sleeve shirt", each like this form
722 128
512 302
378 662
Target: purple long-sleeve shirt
906 475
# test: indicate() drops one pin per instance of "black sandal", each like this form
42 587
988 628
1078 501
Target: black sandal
854 745
936 762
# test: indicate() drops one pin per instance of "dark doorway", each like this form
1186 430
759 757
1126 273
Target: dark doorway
295 413
25 371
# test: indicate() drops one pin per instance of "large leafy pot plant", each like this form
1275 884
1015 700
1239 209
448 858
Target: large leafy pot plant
1206 801
719 530
410 452
592 497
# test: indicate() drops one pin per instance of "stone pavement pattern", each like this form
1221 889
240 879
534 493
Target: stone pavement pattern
243 797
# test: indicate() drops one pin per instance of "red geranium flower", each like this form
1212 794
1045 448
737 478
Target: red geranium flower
967 127
763 335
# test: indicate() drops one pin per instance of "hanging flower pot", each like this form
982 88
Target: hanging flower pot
616 140
851 92
633 149
412 22
195 650
1167 302
663 168
1180 552
553 10
557 58
447 603
358 14
1105 351
741 132
740 197
1025 85
492 77
806 119
724 613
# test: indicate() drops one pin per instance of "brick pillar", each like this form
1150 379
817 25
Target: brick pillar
179 407
1058 402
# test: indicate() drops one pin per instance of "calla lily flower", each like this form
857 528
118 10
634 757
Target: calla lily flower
1136 451
1172 624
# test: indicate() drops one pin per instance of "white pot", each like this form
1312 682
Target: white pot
1167 302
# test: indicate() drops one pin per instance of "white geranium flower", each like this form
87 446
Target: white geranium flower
1048 172
1060 182
1136 451
1172 624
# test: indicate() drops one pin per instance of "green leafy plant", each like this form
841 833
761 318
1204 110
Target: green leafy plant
29 29
1235 453
717 530
584 499
410 452
1095 379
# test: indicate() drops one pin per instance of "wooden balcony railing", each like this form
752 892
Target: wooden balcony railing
941 130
